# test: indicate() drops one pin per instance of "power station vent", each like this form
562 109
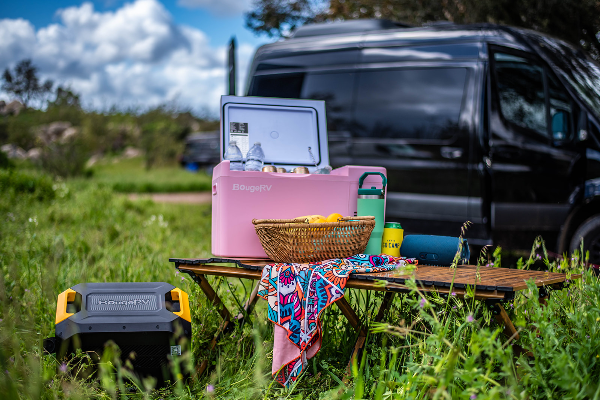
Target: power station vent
122 302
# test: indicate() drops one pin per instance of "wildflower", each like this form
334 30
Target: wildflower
422 302
27 290
470 318
176 272
210 388
473 397
587 336
182 278
453 294
454 307
63 368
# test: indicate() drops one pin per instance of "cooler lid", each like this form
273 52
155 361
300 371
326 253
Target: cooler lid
285 128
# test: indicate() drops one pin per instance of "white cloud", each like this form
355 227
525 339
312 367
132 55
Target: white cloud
135 55
219 7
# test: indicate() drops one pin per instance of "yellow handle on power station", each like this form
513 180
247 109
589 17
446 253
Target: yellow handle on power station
61 307
184 306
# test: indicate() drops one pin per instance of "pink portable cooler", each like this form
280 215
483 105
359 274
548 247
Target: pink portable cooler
240 196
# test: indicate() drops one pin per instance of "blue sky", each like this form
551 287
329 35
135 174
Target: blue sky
130 53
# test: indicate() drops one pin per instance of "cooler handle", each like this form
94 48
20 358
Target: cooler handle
184 306
214 189
61 307
362 178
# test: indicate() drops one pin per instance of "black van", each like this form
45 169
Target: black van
483 123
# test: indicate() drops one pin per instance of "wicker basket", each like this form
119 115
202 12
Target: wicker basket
294 240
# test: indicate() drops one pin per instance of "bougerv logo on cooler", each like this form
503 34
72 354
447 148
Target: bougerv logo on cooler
252 188
134 302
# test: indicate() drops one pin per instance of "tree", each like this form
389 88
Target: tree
65 97
24 83
576 21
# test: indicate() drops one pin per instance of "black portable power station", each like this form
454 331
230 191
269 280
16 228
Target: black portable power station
149 321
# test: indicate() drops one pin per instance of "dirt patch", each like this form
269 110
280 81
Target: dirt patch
186 198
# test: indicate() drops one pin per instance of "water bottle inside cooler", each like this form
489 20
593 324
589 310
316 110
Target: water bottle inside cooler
234 155
255 158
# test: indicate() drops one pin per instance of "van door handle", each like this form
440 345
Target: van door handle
451 152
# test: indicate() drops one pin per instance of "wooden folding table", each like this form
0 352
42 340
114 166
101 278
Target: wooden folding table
491 285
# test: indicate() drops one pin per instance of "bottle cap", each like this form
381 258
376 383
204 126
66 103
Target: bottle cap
257 143
232 142
393 225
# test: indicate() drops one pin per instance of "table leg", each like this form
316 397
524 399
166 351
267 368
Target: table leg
544 296
213 297
502 319
249 305
385 304
510 331
351 316
354 320
225 326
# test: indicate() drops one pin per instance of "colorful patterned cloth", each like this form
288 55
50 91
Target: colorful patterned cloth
298 293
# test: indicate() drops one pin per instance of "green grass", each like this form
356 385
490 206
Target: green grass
130 176
54 235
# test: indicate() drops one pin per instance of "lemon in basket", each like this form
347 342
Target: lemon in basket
335 217
318 221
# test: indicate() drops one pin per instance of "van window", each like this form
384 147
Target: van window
520 85
560 111
409 103
285 86
337 91
336 88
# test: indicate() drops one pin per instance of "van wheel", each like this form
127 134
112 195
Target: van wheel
589 232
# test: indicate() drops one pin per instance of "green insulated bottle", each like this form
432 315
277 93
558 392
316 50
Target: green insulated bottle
372 202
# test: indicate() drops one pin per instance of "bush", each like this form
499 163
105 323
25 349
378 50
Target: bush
159 142
65 158
5 162
19 182
20 128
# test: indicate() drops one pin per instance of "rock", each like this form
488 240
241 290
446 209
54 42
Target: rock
132 152
14 108
68 133
34 154
93 160
56 131
14 151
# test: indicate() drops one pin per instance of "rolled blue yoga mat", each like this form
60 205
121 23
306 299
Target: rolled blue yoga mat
434 250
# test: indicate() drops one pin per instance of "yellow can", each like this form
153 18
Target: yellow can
392 239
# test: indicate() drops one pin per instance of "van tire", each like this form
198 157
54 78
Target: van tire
589 232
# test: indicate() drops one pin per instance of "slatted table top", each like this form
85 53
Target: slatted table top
488 282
